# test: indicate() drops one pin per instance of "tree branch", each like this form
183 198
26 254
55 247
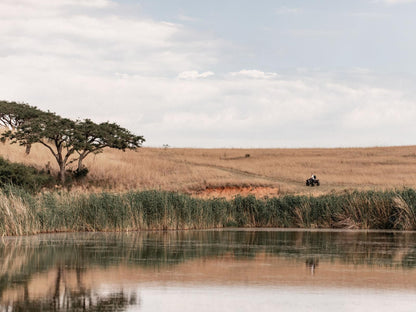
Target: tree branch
50 148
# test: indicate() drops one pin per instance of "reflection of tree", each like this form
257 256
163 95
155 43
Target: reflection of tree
21 258
115 302
65 298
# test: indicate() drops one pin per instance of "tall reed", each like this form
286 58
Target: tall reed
23 213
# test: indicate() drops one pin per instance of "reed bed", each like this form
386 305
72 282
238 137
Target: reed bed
22 213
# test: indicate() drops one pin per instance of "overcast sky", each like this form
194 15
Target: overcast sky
229 73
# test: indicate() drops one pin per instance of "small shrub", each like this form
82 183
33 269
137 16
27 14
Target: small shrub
80 174
27 177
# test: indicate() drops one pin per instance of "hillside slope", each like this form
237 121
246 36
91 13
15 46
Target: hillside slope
227 172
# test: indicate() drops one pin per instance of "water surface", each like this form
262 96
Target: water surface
230 270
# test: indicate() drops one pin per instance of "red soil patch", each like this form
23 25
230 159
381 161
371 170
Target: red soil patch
229 192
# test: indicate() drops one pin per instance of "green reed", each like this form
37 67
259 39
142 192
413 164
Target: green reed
23 213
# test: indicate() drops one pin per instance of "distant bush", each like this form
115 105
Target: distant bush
26 177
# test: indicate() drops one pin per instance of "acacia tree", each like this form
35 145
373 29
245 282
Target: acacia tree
63 137
93 138
51 131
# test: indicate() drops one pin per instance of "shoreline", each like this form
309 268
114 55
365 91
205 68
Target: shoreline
224 229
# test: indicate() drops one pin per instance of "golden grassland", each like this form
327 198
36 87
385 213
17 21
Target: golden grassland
227 172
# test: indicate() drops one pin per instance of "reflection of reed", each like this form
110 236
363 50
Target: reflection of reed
166 248
159 248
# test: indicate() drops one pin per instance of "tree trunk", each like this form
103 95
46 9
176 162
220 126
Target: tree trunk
81 158
80 165
28 147
62 172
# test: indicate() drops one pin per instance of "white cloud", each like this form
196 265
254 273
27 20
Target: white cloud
193 74
255 74
89 3
61 3
226 110
39 33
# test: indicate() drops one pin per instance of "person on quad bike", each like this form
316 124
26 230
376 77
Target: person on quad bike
312 181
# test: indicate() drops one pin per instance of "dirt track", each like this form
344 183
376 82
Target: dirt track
269 189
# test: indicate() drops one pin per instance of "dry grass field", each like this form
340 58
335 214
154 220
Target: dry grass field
228 172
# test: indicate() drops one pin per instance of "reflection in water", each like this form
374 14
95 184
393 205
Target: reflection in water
90 272
72 302
60 295
312 263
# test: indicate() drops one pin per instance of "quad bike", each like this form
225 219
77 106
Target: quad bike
312 182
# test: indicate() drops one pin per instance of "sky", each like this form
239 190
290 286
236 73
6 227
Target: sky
229 73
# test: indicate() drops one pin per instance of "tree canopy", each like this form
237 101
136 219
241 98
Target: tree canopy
13 114
66 139
93 138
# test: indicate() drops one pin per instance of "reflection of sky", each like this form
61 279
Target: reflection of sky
219 73
272 299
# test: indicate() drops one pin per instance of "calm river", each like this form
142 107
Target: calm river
228 270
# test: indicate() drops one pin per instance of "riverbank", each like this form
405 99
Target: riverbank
22 213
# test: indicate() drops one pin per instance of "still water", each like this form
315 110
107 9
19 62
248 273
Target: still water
229 270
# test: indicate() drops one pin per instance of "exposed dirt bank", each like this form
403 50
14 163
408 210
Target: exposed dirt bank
229 192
